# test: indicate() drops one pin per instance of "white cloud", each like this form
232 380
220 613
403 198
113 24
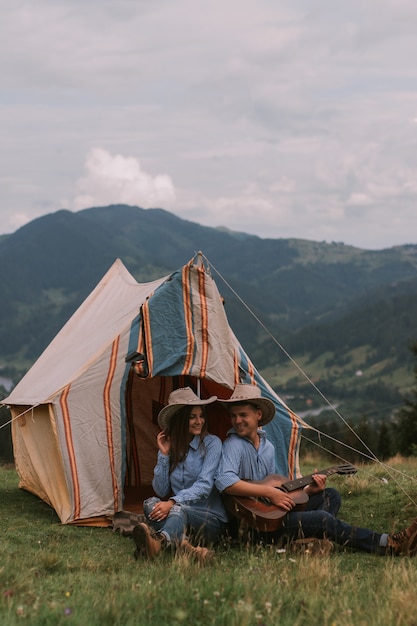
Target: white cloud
359 199
120 180
20 219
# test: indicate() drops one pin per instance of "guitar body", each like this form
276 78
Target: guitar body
261 514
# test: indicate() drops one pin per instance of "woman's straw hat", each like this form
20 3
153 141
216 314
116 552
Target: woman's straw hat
177 399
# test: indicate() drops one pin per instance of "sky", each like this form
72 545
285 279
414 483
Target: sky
283 119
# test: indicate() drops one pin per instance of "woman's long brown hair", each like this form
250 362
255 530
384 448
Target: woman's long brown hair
179 434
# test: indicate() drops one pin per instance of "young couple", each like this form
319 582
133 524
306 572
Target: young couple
194 467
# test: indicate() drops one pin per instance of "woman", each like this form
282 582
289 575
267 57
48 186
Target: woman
187 502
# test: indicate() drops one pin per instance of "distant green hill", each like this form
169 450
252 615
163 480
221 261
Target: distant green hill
335 307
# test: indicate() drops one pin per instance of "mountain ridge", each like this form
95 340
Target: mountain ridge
318 297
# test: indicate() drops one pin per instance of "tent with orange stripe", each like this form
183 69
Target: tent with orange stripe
85 415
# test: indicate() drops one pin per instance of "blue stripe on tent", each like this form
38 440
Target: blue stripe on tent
132 347
169 338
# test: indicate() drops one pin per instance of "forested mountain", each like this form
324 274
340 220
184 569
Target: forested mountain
356 307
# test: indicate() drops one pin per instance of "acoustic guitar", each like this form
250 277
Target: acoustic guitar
261 514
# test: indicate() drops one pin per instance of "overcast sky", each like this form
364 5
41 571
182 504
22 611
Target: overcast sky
278 118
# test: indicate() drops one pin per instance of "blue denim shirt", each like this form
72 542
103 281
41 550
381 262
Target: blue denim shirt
192 481
242 461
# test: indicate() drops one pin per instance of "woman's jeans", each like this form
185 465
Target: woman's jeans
183 519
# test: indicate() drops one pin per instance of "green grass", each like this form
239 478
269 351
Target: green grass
344 375
52 574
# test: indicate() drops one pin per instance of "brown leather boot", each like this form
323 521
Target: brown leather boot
148 542
202 555
404 542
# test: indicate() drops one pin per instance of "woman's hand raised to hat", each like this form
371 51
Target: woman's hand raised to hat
164 443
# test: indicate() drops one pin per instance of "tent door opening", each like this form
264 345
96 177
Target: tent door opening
144 400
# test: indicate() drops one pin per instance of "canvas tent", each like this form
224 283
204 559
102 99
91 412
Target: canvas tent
84 423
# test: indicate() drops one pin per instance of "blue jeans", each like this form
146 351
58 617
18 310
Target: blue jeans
183 519
322 524
328 500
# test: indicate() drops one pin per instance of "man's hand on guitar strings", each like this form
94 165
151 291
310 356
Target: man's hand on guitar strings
281 499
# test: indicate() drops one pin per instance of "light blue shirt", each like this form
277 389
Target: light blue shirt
192 481
240 460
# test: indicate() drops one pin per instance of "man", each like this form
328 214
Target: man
247 455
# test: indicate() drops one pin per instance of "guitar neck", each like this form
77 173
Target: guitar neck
300 483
